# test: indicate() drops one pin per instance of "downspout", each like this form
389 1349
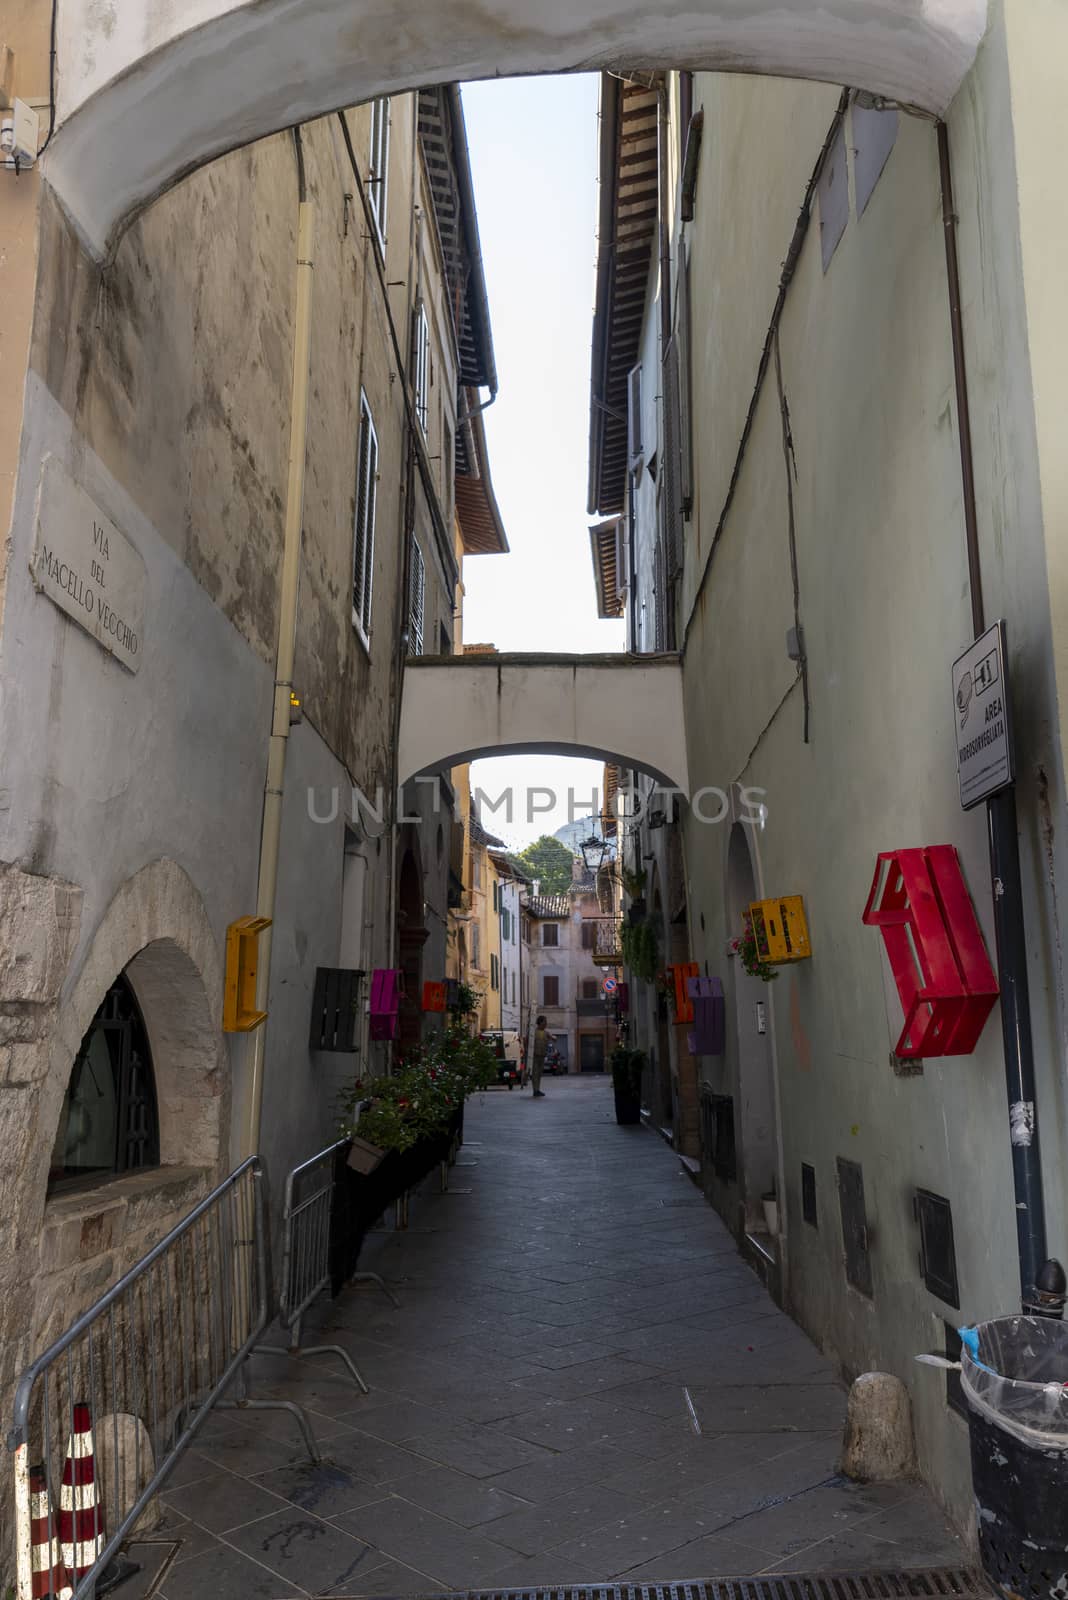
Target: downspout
663 204
407 533
271 831
1042 1282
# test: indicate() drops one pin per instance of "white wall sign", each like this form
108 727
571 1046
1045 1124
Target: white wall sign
87 567
981 718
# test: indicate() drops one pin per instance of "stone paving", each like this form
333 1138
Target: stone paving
527 1421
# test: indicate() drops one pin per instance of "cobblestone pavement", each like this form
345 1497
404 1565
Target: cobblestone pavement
527 1421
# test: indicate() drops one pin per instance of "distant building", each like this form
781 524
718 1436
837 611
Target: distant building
510 880
567 982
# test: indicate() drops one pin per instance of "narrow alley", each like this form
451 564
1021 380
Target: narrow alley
527 1422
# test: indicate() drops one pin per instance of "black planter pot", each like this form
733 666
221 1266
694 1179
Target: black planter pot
636 913
628 1107
360 1198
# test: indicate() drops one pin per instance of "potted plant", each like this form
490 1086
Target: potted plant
640 950
745 948
627 1068
634 884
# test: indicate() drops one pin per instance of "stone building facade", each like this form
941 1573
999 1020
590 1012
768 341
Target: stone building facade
153 487
776 473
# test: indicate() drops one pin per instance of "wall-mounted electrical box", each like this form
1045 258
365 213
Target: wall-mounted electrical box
947 988
780 929
20 135
242 965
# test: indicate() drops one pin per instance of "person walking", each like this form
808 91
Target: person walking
541 1046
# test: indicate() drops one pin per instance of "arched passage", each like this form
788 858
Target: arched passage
149 93
623 709
156 933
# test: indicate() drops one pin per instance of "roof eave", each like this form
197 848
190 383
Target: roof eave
609 142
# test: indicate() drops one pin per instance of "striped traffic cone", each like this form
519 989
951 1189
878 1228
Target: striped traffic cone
51 1580
81 1516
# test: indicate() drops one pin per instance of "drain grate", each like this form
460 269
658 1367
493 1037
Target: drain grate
930 1583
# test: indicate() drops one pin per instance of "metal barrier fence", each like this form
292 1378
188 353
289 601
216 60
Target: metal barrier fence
307 1218
121 1395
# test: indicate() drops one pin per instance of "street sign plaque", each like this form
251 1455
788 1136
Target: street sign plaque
982 718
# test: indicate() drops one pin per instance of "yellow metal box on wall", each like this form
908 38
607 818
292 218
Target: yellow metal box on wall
780 929
242 962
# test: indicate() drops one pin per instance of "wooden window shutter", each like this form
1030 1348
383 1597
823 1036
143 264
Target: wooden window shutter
659 597
670 498
634 418
364 527
683 337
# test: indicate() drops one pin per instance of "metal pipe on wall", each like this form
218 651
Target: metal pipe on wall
271 831
1004 839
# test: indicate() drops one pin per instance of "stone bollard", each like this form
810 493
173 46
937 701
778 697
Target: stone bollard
878 1444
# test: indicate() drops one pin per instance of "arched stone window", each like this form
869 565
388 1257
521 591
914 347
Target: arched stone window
109 1123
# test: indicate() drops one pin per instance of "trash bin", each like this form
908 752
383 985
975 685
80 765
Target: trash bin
1017 1393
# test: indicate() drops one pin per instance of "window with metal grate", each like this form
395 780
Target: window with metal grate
378 175
416 600
363 536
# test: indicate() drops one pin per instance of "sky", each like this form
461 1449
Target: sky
533 144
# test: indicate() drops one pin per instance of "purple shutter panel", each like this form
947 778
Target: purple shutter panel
709 1016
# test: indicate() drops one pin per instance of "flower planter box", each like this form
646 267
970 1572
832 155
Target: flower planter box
362 1197
628 1108
363 1156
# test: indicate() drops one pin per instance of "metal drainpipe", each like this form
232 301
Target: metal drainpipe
271 832
407 520
1041 1281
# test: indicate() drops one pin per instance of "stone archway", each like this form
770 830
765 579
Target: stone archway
150 93
157 933
627 710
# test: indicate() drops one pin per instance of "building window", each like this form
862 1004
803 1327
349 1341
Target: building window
476 953
550 933
506 925
634 418
109 1123
589 988
494 973
416 600
476 870
363 538
589 936
377 177
448 466
422 369
550 991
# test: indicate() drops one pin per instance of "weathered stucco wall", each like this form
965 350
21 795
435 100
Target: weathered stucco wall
150 94
867 370
131 803
25 33
204 453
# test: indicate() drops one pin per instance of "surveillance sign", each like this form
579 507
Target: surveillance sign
982 719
